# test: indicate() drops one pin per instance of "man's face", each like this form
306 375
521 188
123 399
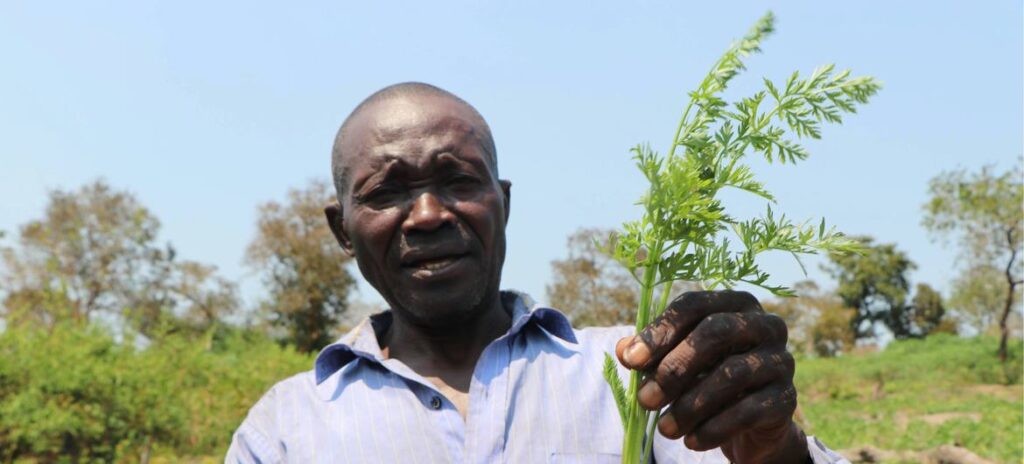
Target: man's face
421 208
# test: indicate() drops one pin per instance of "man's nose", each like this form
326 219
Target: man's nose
428 213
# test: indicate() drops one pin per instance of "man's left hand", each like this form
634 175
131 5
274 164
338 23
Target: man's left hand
719 362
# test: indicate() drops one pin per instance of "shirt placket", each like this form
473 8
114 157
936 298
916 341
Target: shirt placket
488 404
438 409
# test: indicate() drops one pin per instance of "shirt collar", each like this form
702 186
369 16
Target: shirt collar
361 342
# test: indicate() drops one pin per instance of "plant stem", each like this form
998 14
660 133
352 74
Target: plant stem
666 292
637 417
649 445
679 130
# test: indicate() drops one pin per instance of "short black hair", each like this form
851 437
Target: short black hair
407 89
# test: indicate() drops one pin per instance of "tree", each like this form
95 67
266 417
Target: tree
93 246
984 211
589 285
94 252
302 265
818 321
927 309
206 297
875 283
978 294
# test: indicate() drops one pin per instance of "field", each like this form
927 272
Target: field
915 396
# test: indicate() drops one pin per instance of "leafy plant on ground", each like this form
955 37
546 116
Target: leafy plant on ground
684 233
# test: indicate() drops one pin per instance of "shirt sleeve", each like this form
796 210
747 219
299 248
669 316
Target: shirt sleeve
252 443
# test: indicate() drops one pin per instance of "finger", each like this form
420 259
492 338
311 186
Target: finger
718 336
679 318
764 409
621 345
726 385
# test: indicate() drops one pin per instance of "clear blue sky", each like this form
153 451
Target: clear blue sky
206 109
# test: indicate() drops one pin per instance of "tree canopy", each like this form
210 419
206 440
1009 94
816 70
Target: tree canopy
876 283
983 211
303 267
94 254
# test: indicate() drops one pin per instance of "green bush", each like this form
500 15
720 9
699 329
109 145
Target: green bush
73 393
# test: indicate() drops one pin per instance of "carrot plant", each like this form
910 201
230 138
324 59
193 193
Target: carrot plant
685 234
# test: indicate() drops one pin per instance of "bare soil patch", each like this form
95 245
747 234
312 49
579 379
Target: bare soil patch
1005 392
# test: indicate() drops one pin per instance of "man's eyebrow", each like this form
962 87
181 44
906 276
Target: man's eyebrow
452 151
390 161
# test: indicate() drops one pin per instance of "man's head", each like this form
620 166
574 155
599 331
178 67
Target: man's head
420 204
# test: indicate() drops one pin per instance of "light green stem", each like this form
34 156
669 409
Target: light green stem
649 444
666 291
637 417
679 130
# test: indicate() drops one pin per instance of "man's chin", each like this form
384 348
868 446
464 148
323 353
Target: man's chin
442 306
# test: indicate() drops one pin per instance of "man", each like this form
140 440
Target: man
458 371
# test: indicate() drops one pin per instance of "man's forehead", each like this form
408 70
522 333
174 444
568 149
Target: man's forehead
399 117
412 125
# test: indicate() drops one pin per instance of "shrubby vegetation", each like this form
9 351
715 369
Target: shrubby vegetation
73 392
114 349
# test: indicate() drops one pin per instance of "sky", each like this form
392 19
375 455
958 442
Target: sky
204 110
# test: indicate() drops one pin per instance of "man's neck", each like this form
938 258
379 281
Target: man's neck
448 353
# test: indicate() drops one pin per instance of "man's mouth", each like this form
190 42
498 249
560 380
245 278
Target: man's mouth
435 264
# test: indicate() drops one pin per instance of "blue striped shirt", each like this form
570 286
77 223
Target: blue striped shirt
537 395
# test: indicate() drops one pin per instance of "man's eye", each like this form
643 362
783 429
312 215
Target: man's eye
383 196
463 182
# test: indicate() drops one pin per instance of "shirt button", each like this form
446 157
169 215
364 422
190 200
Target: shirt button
435 403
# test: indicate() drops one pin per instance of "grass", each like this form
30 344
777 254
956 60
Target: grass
917 395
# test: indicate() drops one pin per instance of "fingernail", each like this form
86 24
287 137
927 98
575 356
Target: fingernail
651 394
637 353
668 427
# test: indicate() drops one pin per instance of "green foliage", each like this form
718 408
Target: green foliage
73 393
874 282
592 288
979 293
114 350
928 309
916 395
611 375
983 209
683 232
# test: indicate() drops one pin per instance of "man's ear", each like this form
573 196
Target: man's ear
335 218
506 188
